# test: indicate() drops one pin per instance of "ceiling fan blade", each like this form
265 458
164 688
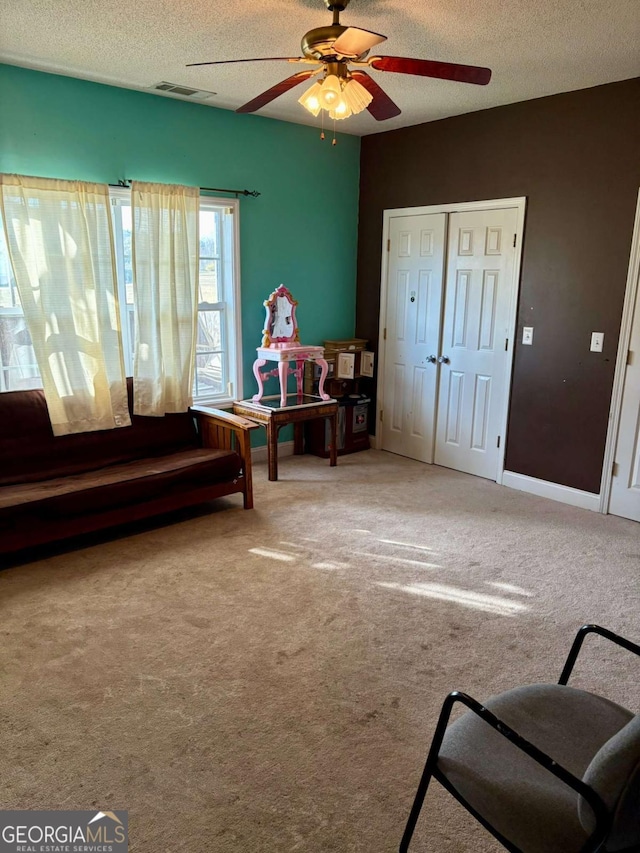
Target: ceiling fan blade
429 68
381 107
257 59
354 42
277 90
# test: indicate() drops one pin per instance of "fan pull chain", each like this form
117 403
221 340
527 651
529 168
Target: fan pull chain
335 141
321 124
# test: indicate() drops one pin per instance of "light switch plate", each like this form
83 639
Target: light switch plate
527 335
597 341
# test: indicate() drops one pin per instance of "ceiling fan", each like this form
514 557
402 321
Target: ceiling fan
340 54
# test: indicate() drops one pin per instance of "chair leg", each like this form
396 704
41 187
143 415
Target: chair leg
427 773
414 814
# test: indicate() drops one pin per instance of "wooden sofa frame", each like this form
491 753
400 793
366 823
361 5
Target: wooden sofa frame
217 429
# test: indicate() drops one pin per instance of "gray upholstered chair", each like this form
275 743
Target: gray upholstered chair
546 768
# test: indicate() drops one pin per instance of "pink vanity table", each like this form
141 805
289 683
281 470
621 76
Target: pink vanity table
281 343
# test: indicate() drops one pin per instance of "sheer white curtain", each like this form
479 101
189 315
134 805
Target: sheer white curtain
165 267
60 241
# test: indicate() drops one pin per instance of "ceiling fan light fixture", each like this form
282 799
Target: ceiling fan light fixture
340 98
356 96
311 99
330 92
332 49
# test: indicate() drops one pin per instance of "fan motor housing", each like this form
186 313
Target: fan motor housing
318 43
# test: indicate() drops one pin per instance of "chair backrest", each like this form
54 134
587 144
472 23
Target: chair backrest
614 773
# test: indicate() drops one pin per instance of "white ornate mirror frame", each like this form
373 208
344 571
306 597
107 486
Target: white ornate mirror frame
280 327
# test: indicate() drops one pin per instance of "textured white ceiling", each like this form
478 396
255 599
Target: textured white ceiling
534 47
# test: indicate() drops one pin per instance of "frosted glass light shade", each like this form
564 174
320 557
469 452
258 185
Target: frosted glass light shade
356 96
311 99
341 110
330 92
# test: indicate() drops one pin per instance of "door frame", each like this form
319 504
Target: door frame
520 204
631 292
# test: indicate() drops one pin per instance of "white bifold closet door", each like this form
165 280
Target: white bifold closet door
413 320
450 288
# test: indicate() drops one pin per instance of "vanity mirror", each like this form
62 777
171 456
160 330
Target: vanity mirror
281 343
280 323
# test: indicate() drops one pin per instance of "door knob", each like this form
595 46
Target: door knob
443 359
431 359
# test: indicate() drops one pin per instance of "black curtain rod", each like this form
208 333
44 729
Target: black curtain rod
126 182
253 193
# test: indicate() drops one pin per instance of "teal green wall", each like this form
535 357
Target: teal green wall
301 231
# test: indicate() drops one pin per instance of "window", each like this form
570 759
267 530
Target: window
18 368
217 350
218 363
121 216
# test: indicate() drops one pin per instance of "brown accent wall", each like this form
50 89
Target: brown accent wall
576 157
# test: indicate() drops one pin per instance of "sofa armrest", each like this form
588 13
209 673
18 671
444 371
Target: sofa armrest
225 419
227 431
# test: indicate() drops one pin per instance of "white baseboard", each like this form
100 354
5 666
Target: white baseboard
541 488
553 491
259 454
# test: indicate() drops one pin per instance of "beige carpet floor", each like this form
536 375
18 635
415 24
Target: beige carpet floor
268 681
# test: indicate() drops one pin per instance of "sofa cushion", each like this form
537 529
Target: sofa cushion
29 451
116 485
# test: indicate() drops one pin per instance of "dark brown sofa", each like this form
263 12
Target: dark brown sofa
55 487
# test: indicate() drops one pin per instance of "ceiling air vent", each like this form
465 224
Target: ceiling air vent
182 91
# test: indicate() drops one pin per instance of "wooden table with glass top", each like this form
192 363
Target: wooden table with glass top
299 408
